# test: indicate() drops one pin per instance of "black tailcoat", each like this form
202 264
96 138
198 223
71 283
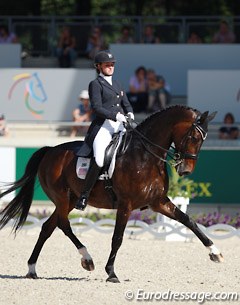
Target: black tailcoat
106 101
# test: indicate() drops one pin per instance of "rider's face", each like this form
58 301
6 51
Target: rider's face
107 68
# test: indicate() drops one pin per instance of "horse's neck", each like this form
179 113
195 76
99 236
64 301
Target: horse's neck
158 130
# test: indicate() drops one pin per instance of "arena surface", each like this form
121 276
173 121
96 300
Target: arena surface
143 265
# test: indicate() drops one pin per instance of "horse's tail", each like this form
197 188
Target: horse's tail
20 205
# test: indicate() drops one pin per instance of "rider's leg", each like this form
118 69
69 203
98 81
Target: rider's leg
100 144
91 178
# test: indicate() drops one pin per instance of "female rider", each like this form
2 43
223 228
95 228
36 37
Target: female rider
110 104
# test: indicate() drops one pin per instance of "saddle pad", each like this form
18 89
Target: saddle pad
83 164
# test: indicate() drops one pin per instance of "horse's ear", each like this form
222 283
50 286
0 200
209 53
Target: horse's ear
202 118
211 116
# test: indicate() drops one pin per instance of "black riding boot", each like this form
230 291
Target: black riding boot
90 180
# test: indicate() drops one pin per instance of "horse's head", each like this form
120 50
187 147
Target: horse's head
188 137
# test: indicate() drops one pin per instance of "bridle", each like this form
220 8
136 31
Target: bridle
182 153
176 156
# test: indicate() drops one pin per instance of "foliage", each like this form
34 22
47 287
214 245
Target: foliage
120 7
180 186
149 217
146 216
210 219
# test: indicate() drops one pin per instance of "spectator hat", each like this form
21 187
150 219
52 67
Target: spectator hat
104 56
84 95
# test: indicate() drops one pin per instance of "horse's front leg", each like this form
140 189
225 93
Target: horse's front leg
170 210
121 222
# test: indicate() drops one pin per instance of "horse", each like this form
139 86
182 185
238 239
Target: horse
140 180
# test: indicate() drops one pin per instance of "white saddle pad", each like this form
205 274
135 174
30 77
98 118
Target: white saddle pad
83 164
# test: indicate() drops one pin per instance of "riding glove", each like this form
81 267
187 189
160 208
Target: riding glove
131 115
120 118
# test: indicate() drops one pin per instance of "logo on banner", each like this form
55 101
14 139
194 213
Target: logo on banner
34 95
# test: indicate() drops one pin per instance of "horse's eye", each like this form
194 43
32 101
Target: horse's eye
194 139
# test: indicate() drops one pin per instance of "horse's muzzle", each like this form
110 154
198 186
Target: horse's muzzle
184 168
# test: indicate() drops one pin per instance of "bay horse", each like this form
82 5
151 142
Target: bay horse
140 180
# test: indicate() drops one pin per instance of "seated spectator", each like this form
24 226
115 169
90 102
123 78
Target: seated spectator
194 38
229 131
6 36
138 90
148 36
3 126
83 113
224 35
66 49
158 96
138 82
125 35
96 42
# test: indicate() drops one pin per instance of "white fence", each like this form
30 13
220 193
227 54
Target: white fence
159 229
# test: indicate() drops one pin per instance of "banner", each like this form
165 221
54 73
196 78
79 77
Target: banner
42 94
216 176
215 90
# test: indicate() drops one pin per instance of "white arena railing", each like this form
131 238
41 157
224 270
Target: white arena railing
161 230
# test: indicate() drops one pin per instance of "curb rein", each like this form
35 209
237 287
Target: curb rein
176 156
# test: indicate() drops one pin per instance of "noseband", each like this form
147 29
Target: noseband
176 156
183 154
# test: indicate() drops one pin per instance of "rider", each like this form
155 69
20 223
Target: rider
110 105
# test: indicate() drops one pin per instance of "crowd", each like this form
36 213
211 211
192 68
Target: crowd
98 41
148 91
67 49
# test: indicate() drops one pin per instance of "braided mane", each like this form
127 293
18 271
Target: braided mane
165 110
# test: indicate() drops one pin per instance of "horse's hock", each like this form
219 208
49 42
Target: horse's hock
169 224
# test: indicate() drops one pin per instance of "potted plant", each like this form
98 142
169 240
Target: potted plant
179 186
179 192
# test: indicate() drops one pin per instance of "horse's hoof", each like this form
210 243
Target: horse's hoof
32 276
112 280
87 264
217 258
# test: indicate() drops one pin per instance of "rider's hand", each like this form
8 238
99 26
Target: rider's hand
120 118
131 115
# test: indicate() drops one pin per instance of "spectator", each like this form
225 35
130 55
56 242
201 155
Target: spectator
83 113
148 36
125 35
194 38
158 96
229 131
6 36
138 82
66 50
3 126
137 94
224 35
96 42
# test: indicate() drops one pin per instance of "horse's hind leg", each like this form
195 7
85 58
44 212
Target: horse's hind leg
64 225
170 210
46 231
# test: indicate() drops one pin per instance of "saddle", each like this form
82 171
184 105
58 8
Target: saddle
116 148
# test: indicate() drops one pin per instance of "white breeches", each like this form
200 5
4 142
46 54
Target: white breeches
103 138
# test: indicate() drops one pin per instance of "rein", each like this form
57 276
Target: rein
177 157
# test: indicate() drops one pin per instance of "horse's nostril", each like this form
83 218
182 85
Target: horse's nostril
184 172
